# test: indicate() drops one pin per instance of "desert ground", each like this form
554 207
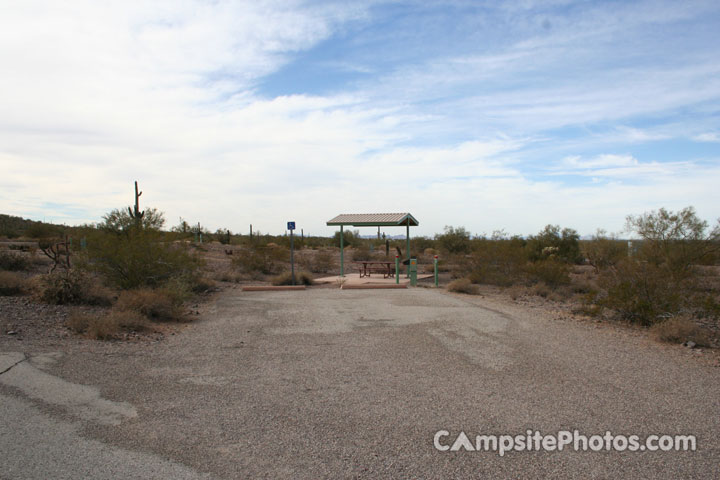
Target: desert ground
331 383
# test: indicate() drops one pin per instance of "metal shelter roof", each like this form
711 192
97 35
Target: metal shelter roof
375 220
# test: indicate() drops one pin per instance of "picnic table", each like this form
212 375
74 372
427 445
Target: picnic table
387 268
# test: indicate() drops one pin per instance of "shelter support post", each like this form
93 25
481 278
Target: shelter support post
342 252
407 246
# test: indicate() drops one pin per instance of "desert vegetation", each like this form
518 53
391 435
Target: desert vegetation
665 278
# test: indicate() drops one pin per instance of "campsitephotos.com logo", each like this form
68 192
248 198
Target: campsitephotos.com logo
561 441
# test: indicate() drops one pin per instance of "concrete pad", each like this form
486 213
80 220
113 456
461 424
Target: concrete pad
355 279
265 288
370 286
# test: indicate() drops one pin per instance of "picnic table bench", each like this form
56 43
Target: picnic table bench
366 268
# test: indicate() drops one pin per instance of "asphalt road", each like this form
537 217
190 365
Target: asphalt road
330 383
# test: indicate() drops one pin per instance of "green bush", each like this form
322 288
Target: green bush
660 281
641 292
454 240
139 257
498 261
553 242
552 272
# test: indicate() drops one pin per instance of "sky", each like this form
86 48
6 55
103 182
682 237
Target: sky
484 114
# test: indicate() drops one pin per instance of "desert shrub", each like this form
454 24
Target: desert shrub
454 240
541 290
463 285
660 281
138 257
319 261
498 261
641 292
553 242
361 252
552 272
12 283
681 329
41 230
301 278
13 261
349 238
201 284
68 287
323 262
603 251
678 240
153 304
106 327
418 244
256 259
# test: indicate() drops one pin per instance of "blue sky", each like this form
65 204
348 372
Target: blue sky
490 115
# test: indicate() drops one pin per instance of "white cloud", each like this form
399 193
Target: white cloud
707 137
96 95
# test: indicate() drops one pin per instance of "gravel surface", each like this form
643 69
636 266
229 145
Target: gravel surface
329 383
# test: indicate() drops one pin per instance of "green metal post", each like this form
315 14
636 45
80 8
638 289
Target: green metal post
342 253
397 269
408 246
436 271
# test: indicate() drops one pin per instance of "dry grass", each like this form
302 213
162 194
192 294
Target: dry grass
12 283
301 278
153 304
680 329
107 327
463 285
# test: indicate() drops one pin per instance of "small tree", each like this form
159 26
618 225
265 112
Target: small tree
120 221
677 240
131 255
454 240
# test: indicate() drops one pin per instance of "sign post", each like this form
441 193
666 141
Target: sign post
397 269
291 227
436 270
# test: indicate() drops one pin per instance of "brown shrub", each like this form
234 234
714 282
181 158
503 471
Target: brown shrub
552 272
323 262
71 287
153 304
12 283
541 290
463 285
106 327
516 291
256 260
13 261
301 278
680 329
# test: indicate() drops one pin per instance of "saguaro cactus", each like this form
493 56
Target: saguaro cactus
136 213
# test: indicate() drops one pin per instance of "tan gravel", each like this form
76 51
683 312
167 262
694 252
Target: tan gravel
330 383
